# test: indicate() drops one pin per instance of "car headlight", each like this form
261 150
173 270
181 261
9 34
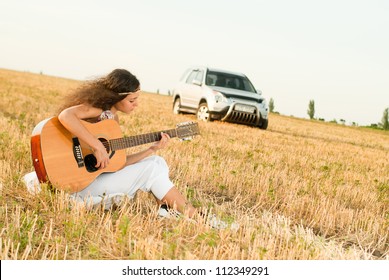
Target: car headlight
263 102
219 97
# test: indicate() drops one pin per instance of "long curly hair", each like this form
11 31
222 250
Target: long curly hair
103 92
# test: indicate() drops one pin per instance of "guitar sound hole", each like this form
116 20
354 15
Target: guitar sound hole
90 162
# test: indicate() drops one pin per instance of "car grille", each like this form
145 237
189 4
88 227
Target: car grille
242 117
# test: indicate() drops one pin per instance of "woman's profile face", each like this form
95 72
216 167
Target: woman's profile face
128 104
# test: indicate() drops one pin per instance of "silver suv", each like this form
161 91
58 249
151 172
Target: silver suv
222 95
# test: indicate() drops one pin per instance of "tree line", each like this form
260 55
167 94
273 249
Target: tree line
384 124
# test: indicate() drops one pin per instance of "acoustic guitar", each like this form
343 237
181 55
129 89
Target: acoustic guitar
64 161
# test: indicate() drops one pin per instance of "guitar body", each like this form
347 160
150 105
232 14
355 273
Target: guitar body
53 154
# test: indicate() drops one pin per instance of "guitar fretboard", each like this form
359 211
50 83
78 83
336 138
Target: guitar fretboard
137 140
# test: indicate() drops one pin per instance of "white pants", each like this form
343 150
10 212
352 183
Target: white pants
150 175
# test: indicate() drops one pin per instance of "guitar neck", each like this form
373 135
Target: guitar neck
137 140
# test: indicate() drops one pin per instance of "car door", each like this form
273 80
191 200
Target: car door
191 92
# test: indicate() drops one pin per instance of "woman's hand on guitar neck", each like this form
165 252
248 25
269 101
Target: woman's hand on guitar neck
161 143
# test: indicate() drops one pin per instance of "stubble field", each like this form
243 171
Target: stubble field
299 190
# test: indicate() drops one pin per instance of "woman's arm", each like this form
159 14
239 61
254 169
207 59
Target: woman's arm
70 119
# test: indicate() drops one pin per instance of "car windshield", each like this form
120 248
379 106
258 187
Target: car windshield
220 79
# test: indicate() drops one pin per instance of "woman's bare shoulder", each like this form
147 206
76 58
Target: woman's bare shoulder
82 111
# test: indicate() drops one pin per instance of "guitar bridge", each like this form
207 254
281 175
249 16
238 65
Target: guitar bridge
77 152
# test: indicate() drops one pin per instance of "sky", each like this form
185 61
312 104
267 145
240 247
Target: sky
335 52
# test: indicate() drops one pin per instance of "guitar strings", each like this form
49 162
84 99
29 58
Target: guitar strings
125 142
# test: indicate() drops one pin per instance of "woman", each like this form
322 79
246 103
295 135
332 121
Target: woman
103 98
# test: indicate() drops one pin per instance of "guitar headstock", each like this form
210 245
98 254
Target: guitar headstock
186 130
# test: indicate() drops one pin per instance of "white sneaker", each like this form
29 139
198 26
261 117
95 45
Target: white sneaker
165 212
31 182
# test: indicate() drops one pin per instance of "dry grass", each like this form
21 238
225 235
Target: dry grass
300 190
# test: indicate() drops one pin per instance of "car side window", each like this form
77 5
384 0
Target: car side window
199 76
191 77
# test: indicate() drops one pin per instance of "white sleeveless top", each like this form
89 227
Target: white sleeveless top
106 115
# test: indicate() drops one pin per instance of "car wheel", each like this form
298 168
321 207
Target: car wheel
263 124
203 113
176 106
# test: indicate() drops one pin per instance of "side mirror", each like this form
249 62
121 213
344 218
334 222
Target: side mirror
259 91
196 82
